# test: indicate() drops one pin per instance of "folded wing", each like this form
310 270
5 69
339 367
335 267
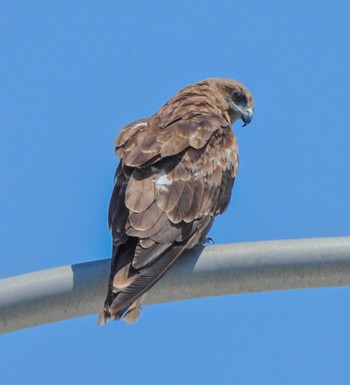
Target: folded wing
175 175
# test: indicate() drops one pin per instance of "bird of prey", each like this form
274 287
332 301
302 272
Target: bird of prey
175 175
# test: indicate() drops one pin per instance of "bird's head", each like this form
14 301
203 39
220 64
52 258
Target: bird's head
238 101
241 104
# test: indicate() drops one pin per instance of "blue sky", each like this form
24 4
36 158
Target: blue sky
74 73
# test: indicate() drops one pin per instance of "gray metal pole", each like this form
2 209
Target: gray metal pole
73 291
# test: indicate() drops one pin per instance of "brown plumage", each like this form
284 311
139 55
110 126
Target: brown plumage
175 175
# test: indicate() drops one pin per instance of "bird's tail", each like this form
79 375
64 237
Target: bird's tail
127 302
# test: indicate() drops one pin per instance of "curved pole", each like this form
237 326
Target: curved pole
77 290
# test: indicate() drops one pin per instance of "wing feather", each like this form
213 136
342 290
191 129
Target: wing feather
168 195
183 205
147 219
162 223
140 191
194 210
145 256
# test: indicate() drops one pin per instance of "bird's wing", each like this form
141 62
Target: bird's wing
174 177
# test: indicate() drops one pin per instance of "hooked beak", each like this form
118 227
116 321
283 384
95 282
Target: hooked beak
247 117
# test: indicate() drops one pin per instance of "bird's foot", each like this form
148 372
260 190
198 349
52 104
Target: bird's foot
205 241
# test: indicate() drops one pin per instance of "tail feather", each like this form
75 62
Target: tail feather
145 280
126 301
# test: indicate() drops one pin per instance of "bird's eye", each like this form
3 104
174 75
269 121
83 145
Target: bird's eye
238 97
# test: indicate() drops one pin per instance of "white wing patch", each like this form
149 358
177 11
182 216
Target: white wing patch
196 174
139 125
162 181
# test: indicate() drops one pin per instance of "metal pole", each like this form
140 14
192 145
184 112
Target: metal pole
77 290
